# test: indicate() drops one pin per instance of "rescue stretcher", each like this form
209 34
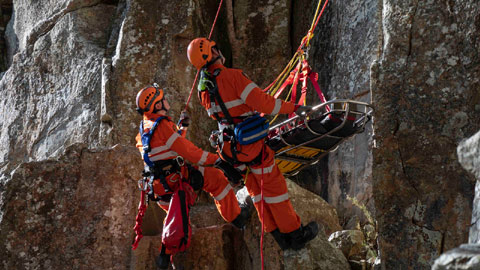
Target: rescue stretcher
302 141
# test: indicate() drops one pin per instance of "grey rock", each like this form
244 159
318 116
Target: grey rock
425 88
465 257
350 242
468 152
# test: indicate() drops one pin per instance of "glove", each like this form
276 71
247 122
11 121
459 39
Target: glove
214 138
302 110
233 175
184 120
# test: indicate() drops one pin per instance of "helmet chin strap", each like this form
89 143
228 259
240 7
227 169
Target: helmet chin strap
162 108
219 56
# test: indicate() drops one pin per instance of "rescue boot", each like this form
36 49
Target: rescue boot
162 260
283 240
303 235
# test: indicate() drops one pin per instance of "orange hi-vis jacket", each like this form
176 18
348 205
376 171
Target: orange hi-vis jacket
242 97
166 144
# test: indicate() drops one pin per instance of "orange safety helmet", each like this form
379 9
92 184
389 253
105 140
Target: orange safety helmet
148 97
199 51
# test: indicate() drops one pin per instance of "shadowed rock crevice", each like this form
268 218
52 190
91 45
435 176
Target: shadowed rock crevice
410 33
6 11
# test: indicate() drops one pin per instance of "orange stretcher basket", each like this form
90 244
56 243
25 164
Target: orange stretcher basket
302 141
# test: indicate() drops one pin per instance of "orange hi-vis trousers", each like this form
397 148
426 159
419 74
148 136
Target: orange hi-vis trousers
216 185
278 211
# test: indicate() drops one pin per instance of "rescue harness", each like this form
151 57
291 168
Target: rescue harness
160 170
242 130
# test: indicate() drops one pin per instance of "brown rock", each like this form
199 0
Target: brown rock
78 210
425 101
310 206
350 242
318 254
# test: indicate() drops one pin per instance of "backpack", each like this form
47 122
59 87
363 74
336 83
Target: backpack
177 231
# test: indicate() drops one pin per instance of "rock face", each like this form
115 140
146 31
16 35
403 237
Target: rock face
469 156
465 257
77 211
51 91
343 48
69 72
350 242
425 90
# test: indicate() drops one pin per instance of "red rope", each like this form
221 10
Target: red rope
139 220
216 17
314 26
262 206
198 71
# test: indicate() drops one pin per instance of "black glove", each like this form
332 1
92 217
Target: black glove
302 110
195 178
184 120
233 175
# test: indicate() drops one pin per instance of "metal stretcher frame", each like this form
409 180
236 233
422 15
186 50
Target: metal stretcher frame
345 107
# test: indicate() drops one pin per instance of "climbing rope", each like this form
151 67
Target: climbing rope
298 69
142 207
198 71
262 206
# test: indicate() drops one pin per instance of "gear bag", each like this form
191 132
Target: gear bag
252 129
177 231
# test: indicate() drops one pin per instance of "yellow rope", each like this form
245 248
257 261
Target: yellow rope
309 36
299 54
246 176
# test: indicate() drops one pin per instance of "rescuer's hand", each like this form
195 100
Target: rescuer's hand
184 119
302 110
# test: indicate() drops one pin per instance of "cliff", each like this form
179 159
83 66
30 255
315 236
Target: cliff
70 70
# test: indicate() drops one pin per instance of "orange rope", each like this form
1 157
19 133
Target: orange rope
198 71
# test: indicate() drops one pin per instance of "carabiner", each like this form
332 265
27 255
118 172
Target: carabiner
180 161
142 184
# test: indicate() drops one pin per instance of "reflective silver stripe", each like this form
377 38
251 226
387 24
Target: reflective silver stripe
159 149
241 167
203 158
163 203
255 135
256 198
169 154
248 113
265 170
276 199
278 106
202 170
212 110
246 91
223 193
229 105
234 103
167 145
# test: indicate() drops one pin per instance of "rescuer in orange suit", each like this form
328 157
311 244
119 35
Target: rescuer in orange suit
243 98
167 144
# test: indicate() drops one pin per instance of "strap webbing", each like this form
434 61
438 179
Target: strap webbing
146 138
